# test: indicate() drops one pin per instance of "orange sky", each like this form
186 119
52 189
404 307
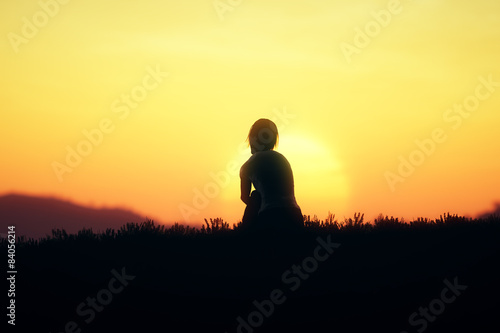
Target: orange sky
383 106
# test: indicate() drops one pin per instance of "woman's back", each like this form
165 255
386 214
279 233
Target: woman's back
272 177
272 204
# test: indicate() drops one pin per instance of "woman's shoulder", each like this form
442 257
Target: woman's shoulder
276 156
270 154
267 156
247 164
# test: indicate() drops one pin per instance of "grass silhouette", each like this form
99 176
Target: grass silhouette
192 279
219 226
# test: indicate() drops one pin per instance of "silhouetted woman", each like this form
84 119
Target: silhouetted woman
272 205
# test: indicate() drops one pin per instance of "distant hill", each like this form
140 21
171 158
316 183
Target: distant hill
495 211
36 216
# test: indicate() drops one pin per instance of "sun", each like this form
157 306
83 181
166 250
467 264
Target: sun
310 158
320 181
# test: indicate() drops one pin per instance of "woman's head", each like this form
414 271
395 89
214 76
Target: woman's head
263 135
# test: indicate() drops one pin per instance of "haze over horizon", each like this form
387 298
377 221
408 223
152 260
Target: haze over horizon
385 107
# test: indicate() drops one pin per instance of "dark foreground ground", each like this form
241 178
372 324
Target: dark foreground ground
432 276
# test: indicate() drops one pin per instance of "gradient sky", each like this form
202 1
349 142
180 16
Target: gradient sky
349 106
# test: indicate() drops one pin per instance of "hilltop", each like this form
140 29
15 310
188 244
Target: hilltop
36 216
346 276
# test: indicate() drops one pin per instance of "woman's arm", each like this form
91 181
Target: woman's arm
246 187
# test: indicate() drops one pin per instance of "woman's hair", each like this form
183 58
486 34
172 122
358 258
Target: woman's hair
263 135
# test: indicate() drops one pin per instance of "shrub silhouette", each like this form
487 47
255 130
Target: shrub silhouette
202 279
215 226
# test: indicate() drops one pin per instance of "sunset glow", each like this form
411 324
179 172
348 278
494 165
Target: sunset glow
386 107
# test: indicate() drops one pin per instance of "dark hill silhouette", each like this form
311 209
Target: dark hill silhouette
423 276
495 211
36 216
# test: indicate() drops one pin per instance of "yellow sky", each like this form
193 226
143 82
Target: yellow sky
173 88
